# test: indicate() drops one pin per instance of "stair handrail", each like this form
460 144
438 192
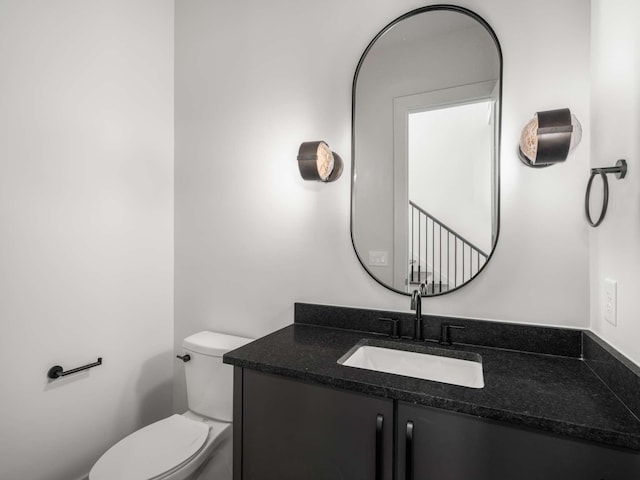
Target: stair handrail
451 230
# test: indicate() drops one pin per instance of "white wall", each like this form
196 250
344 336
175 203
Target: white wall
86 186
460 194
254 79
615 122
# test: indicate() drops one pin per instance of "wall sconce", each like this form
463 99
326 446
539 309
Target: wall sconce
316 161
549 137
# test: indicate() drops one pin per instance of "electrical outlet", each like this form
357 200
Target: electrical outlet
610 301
378 258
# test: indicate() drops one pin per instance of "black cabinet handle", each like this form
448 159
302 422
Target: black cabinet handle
379 446
408 459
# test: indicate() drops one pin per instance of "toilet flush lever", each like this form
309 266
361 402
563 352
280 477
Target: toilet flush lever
184 358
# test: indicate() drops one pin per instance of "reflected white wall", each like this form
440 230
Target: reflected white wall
450 168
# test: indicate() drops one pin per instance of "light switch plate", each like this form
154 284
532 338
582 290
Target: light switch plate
378 258
610 301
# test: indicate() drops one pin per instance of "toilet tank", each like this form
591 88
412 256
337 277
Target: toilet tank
209 381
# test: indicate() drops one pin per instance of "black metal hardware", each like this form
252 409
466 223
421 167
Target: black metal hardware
408 457
416 304
620 171
445 333
395 332
449 250
379 446
57 371
184 358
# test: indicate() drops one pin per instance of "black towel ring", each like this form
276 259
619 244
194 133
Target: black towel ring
620 170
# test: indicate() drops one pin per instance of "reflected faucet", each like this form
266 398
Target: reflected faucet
416 304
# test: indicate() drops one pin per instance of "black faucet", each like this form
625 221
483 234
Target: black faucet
416 304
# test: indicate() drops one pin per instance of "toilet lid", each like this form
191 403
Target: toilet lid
152 450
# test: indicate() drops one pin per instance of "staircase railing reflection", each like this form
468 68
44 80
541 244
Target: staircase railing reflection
439 256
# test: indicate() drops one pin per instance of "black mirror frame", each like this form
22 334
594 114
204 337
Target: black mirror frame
479 19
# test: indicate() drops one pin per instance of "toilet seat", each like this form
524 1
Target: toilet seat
152 451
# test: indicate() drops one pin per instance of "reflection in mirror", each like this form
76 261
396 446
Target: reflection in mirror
426 131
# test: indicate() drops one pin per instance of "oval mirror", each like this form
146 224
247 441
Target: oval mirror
425 151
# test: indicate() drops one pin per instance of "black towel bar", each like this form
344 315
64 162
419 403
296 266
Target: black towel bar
57 371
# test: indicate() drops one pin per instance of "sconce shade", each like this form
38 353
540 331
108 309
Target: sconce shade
316 161
549 137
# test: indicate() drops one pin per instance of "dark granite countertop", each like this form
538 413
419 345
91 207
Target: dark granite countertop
558 394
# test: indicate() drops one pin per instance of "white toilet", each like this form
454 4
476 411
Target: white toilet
196 445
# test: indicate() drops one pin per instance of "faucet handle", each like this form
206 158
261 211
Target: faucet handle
445 333
394 326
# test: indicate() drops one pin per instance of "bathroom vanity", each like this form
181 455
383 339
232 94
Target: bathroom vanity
546 410
531 403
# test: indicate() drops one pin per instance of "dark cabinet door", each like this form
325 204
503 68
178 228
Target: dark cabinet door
436 445
296 431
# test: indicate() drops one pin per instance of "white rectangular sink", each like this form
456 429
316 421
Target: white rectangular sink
437 365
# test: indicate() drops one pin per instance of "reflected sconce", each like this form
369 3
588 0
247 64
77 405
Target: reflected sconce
549 137
316 161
